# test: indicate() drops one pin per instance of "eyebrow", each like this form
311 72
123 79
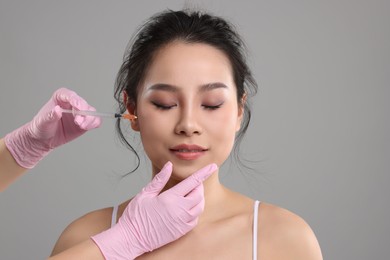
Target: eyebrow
173 88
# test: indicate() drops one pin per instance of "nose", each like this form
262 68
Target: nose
188 123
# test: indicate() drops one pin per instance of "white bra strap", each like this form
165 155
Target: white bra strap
255 216
114 214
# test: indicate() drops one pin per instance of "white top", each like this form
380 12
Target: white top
114 214
255 217
254 239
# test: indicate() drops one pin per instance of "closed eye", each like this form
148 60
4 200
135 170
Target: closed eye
212 107
162 107
167 107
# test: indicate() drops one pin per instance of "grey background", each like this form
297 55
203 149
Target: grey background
318 131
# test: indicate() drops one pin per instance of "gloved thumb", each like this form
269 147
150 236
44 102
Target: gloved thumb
45 121
159 181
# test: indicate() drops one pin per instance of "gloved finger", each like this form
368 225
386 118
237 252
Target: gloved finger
79 103
68 99
63 96
187 185
197 210
79 120
194 197
160 180
85 122
56 113
47 120
91 122
191 224
194 205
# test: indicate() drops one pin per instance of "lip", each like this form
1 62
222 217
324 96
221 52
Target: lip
188 151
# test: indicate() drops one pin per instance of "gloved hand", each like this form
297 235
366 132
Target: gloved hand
50 128
152 220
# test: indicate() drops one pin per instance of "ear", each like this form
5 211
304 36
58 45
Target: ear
241 110
131 109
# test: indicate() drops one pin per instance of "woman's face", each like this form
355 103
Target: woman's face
187 108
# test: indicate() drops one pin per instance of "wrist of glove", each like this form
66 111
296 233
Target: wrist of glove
26 150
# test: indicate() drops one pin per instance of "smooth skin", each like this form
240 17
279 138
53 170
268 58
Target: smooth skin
10 171
84 250
188 96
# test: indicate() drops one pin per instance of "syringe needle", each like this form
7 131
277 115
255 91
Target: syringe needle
99 114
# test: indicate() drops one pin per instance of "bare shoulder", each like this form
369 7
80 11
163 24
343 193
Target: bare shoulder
285 235
83 228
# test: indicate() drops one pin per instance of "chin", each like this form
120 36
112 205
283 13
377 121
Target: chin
182 170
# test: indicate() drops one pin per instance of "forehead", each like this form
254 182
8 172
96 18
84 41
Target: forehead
189 63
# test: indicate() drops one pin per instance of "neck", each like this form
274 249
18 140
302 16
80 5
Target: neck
215 195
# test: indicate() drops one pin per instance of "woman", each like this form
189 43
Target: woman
186 80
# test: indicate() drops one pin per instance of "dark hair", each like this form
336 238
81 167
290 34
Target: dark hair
190 27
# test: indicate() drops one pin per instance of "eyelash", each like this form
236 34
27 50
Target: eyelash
213 107
162 107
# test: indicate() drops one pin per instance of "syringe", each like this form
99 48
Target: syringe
99 114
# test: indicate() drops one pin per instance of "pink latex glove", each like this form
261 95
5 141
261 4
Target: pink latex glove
152 220
50 128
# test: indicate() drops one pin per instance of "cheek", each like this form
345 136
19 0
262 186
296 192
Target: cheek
222 129
148 118
152 129
226 119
